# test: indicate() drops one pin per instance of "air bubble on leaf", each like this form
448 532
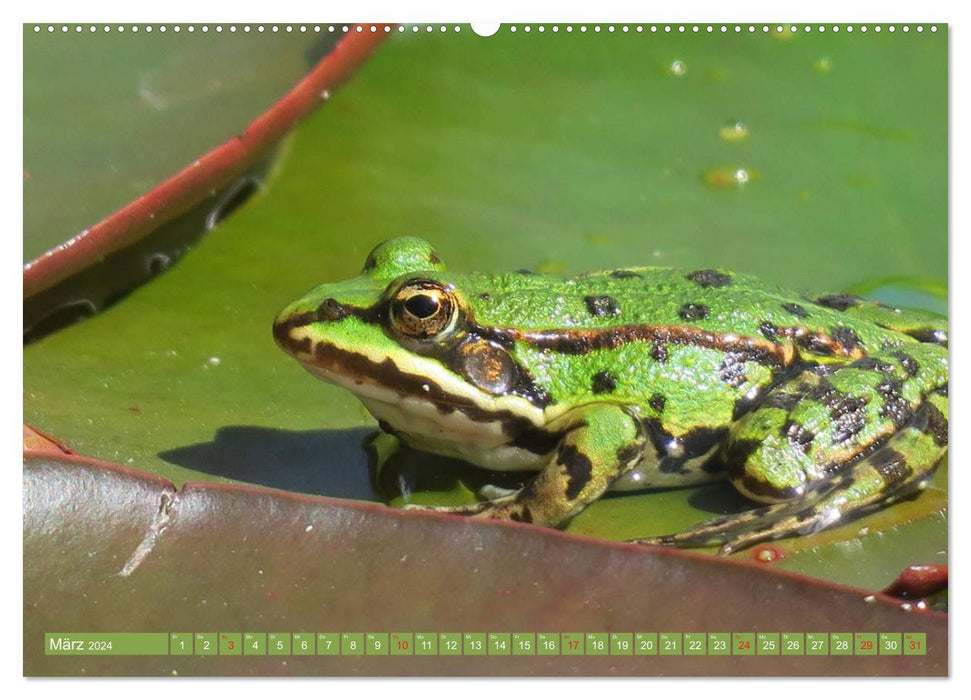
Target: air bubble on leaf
733 132
677 68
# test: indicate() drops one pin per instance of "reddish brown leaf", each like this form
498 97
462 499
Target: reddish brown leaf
108 549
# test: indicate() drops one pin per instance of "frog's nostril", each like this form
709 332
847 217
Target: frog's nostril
331 310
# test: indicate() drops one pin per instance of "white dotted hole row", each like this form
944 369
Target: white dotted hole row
232 28
666 28
724 28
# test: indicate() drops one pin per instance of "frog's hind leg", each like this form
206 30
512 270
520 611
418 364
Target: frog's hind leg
897 469
886 475
832 445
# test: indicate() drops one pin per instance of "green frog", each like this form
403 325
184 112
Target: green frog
816 409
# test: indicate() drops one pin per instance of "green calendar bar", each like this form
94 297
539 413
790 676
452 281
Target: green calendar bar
106 644
486 644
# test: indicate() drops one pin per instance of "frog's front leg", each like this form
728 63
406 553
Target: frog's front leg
827 446
599 442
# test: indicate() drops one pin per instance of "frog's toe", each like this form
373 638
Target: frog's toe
491 492
731 531
473 509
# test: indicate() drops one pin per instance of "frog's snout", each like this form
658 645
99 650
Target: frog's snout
284 324
298 316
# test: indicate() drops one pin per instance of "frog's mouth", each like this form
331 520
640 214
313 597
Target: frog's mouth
423 400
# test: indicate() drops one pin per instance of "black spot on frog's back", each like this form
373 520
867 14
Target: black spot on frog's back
840 302
845 337
769 330
895 406
891 465
796 310
603 383
848 416
798 435
938 336
709 278
602 305
910 365
732 370
693 312
936 425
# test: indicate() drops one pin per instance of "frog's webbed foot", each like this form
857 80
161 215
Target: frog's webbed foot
732 532
493 497
470 509
827 507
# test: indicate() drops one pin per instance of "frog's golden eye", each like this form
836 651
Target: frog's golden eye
423 309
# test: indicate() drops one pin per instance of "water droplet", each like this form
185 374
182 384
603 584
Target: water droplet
733 131
767 554
677 68
822 65
728 177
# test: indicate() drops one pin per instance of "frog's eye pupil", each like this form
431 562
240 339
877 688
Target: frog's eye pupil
422 305
423 309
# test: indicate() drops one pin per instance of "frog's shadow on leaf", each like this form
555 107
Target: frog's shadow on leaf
321 462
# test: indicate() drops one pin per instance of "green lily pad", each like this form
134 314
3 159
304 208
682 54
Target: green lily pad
555 151
173 95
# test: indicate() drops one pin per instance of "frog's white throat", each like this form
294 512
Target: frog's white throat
438 427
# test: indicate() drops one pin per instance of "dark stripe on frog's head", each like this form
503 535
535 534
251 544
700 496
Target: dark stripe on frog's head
485 364
387 374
